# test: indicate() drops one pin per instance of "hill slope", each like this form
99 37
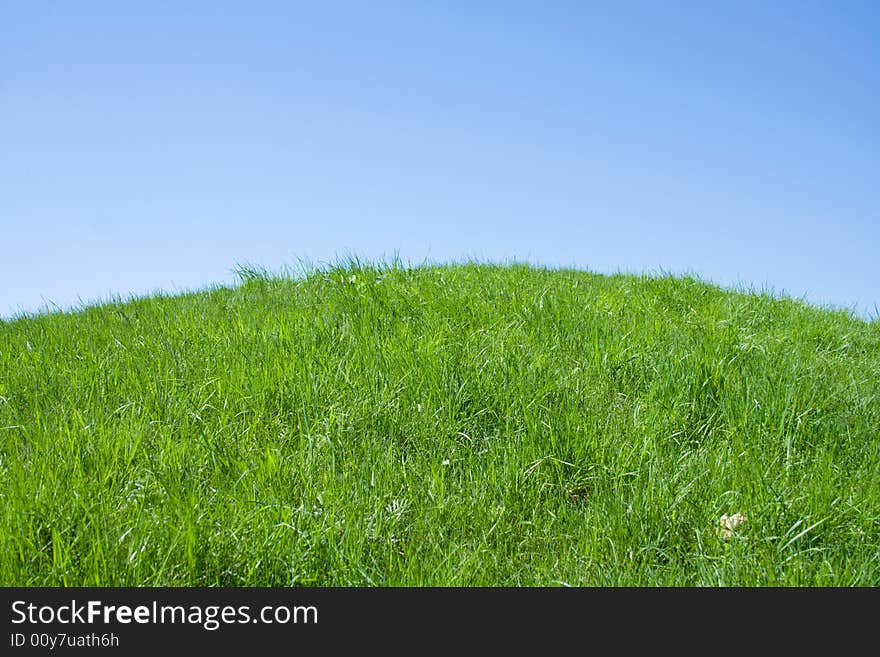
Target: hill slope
468 425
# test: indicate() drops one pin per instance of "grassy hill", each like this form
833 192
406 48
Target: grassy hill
444 425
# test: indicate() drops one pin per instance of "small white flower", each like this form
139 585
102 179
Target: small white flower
419 408
445 461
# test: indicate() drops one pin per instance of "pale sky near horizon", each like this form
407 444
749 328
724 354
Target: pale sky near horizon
150 146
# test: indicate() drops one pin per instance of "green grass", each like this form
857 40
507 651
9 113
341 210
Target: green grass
441 425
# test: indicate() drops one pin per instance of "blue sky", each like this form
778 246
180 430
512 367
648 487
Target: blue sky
152 145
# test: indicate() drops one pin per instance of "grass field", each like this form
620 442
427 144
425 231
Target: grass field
441 425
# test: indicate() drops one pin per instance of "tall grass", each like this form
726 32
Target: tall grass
441 425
